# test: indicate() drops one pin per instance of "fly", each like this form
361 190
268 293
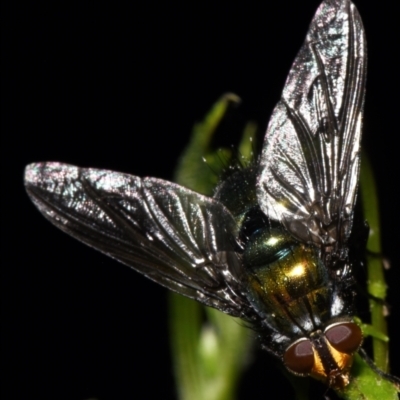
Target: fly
272 245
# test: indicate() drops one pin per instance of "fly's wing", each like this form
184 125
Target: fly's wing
310 163
174 236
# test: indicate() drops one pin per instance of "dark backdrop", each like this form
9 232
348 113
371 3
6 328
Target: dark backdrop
119 87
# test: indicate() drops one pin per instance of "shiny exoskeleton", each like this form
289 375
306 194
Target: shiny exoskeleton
296 297
272 245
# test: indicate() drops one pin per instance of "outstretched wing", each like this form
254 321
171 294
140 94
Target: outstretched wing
176 237
310 163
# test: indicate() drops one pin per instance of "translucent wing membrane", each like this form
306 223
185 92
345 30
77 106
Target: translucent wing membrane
310 162
172 235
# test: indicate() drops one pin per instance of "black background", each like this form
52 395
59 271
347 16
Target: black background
118 87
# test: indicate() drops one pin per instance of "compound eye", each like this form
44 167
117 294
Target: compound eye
299 357
345 337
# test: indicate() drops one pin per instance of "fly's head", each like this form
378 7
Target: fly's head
326 355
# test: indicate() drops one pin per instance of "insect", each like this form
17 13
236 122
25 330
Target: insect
273 246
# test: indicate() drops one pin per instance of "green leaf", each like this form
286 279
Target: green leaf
367 384
376 281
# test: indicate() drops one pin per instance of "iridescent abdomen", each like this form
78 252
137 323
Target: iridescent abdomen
293 292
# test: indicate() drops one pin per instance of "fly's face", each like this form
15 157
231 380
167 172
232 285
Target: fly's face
326 355
272 245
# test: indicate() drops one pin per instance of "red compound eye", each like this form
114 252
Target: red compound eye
345 337
299 357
